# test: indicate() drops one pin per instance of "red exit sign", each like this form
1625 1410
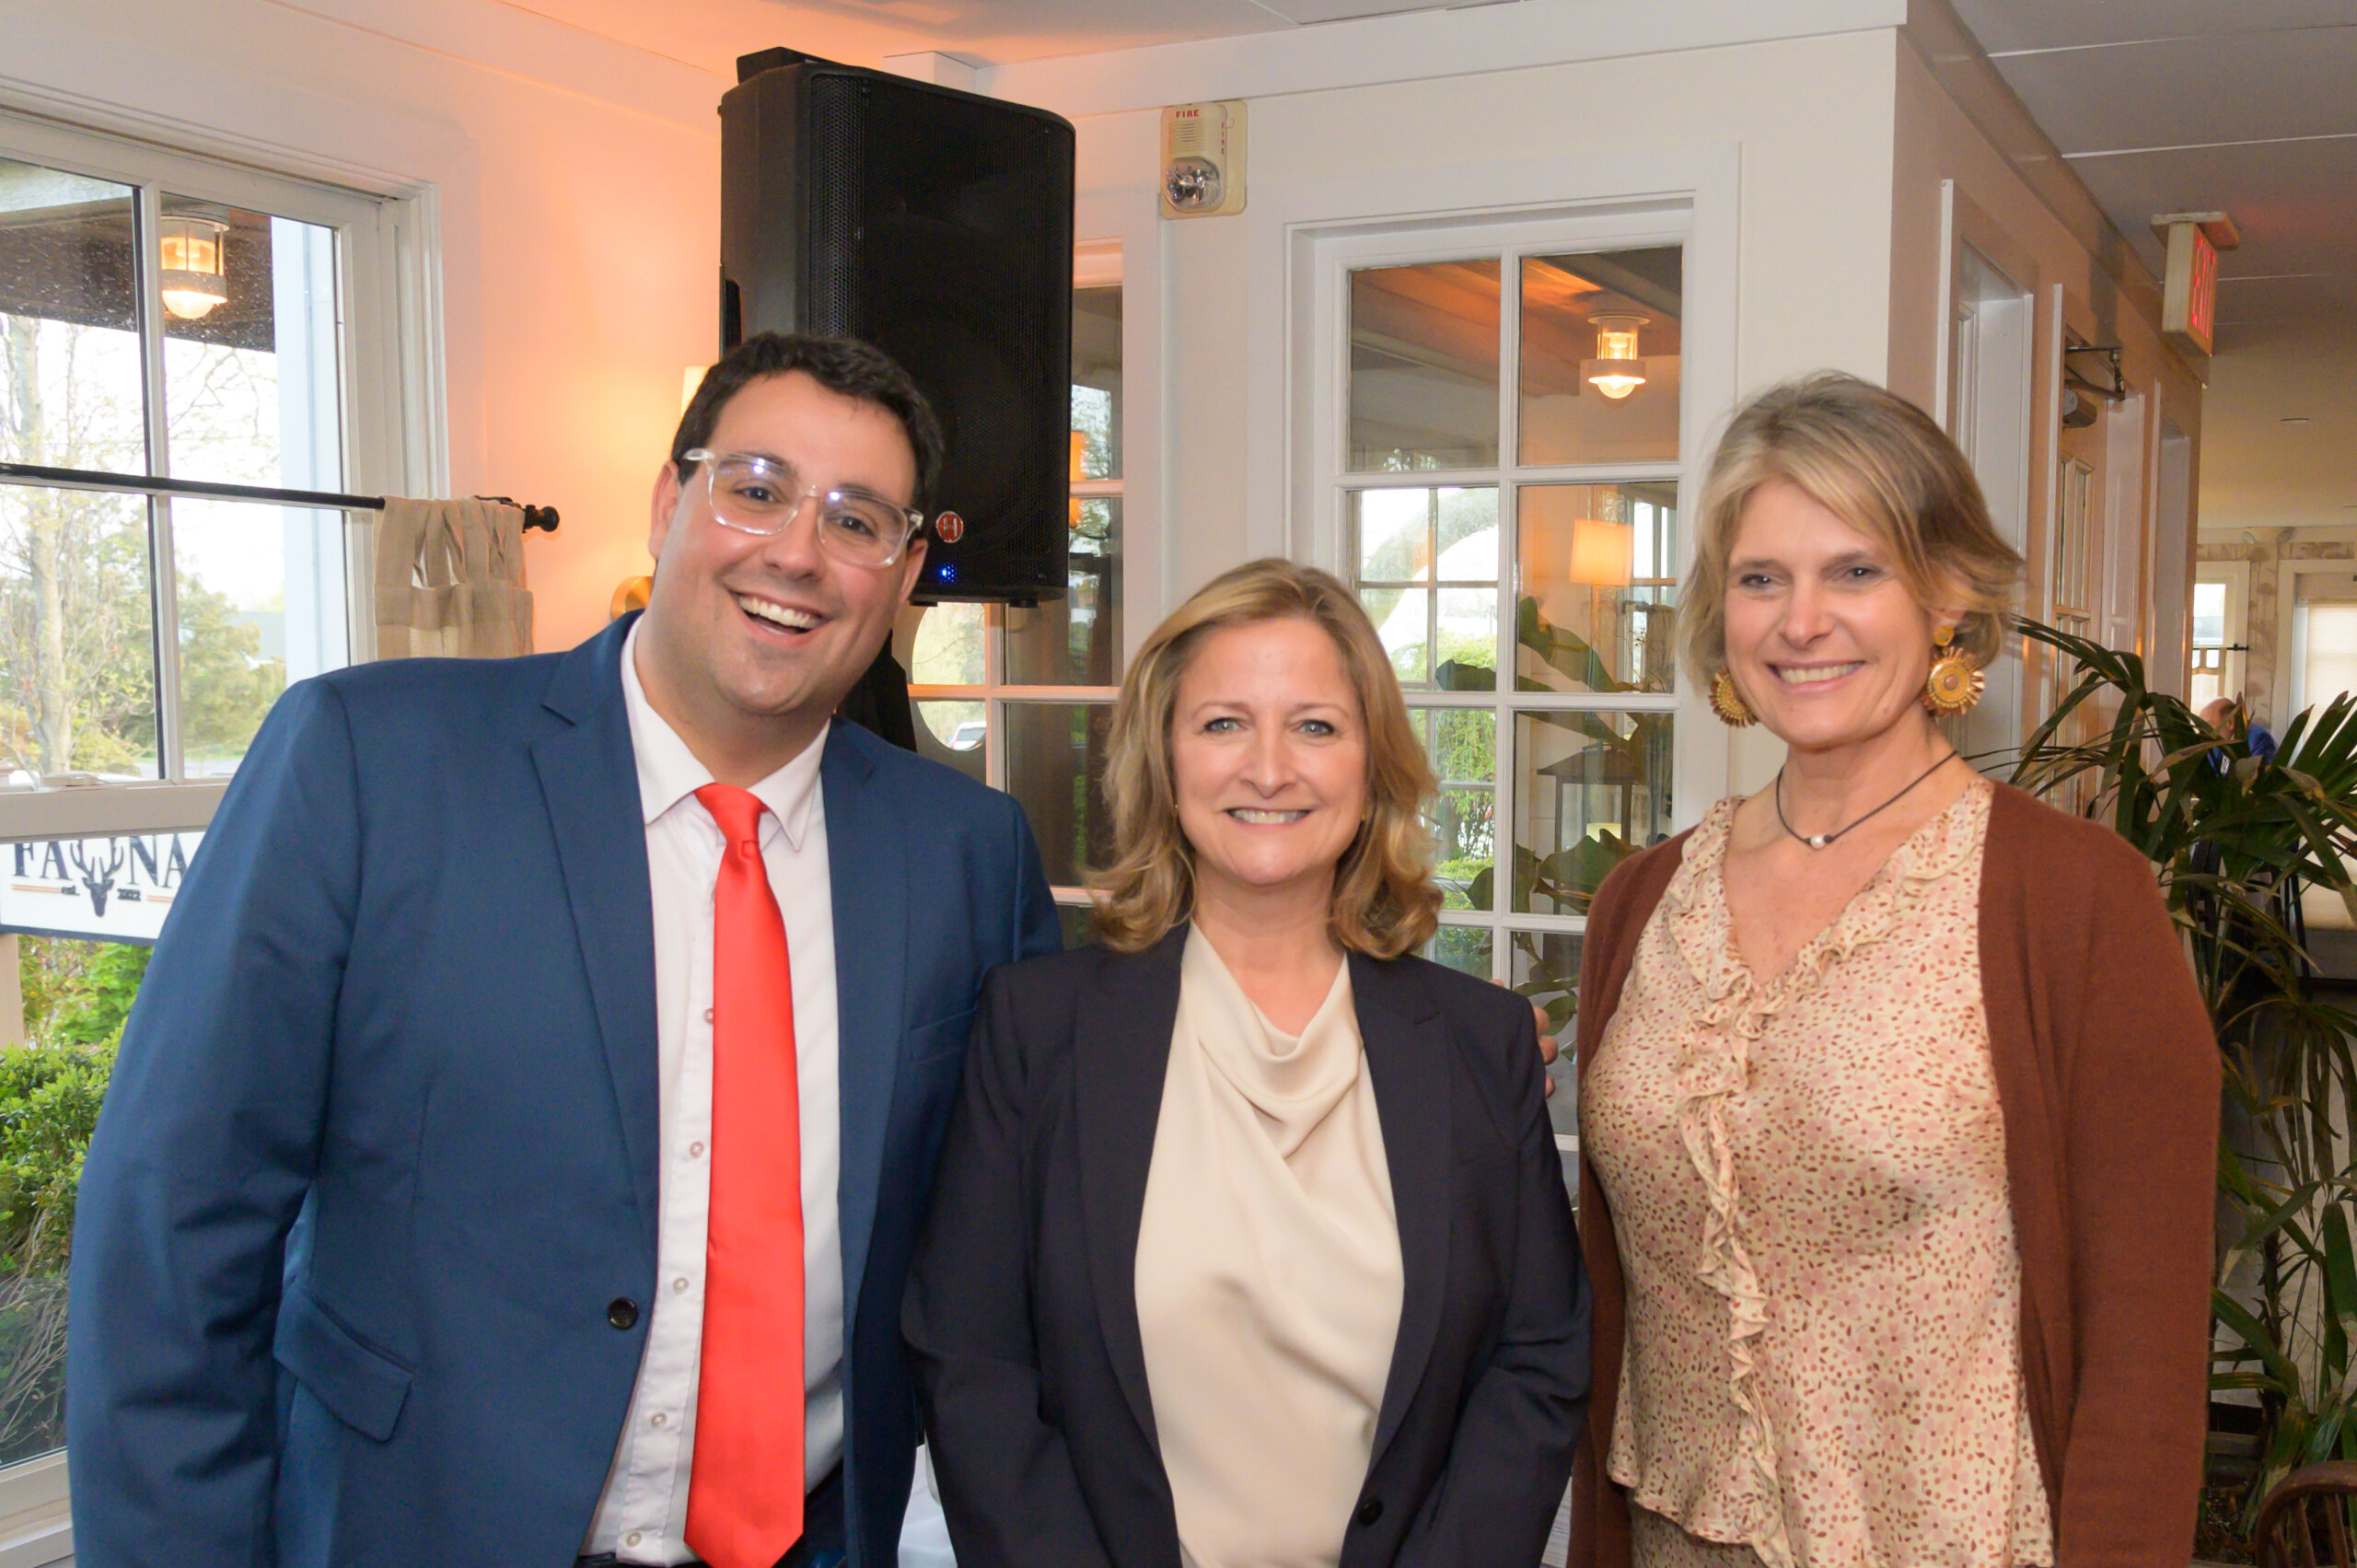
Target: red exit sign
2190 293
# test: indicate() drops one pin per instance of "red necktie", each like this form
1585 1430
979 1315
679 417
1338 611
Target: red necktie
745 1494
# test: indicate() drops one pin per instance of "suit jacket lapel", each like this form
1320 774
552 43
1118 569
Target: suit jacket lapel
1407 1054
867 874
1121 1051
589 780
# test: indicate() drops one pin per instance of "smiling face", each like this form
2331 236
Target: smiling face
1825 639
1268 752
749 642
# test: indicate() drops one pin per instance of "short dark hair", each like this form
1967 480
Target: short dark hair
843 365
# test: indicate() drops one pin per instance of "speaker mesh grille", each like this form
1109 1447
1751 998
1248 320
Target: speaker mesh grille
937 226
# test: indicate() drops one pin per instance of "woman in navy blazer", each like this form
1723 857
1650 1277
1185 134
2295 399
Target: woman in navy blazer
1250 1247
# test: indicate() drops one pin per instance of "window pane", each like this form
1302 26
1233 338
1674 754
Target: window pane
75 996
249 377
235 600
952 734
77 691
1055 768
1594 588
1424 367
2209 612
1463 746
1465 948
947 648
1413 536
69 323
1096 383
1075 640
1590 787
1547 970
1577 313
1078 923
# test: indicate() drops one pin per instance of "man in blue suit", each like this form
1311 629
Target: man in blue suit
400 1240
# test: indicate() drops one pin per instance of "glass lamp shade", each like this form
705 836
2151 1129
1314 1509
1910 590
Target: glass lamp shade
1616 371
194 272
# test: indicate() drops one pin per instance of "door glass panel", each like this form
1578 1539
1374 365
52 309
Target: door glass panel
1075 640
1463 746
1055 770
1465 948
69 323
77 691
1412 541
951 733
1594 588
1590 787
1601 355
948 649
1424 391
1547 970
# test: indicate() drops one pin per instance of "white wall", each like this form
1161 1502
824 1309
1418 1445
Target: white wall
575 184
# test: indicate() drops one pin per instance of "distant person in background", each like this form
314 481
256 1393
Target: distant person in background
1250 1247
2232 720
1898 1105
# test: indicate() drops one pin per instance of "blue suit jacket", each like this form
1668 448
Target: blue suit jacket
373 1197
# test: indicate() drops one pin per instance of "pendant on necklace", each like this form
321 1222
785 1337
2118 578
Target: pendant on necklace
1817 840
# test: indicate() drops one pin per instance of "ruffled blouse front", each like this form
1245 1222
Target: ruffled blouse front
1808 1180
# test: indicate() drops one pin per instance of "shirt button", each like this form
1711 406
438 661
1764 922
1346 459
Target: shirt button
695 1151
660 1419
631 1539
707 1015
680 1283
623 1312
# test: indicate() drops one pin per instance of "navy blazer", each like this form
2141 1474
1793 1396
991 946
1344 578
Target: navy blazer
1022 1308
366 1233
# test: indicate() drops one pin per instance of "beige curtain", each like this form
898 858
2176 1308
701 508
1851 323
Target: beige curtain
450 580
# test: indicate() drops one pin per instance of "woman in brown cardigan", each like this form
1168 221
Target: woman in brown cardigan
1898 1106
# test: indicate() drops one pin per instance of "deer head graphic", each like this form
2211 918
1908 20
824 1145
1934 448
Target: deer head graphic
99 880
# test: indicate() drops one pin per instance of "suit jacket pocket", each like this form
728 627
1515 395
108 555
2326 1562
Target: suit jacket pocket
943 1037
360 1387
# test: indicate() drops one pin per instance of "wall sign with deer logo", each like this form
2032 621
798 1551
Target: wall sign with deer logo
115 889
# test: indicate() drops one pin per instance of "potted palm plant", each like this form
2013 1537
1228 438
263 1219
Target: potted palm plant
2234 838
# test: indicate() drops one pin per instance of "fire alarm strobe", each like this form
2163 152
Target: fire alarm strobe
1202 159
950 526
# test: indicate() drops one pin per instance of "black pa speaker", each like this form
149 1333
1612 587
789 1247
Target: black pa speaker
938 225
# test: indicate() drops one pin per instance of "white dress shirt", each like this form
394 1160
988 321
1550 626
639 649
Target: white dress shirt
643 1515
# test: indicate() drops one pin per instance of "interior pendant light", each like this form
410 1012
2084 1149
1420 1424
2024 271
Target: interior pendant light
195 273
1616 371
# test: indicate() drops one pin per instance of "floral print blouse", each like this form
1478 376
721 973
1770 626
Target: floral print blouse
1806 1175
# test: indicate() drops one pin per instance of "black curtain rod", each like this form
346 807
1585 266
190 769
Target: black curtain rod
205 490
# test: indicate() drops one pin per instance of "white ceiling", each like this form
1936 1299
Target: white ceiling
2248 106
711 33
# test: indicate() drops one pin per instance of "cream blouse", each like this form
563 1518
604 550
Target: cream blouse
1268 1274
1808 1180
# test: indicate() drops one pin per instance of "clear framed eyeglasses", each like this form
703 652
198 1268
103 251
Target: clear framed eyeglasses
756 495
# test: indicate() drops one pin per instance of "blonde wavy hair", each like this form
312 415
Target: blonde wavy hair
1384 901
1880 464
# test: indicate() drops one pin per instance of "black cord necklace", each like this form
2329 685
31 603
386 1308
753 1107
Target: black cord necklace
1821 840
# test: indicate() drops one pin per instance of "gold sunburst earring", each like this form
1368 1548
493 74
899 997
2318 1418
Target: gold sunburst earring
1727 703
1954 684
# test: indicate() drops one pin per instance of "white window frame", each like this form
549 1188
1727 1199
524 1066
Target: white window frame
388 363
1320 526
387 360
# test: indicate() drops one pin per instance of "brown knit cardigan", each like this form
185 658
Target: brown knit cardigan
2107 1073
